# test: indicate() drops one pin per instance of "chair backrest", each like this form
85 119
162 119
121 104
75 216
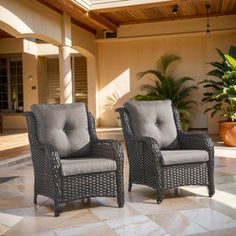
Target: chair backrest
153 119
64 126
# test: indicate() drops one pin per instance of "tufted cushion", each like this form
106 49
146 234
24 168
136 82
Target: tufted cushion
184 156
86 165
64 126
153 119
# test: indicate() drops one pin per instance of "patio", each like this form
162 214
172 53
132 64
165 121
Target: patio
184 211
91 51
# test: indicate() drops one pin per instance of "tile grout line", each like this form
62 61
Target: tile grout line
15 160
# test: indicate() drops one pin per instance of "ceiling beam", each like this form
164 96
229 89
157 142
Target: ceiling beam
80 14
101 22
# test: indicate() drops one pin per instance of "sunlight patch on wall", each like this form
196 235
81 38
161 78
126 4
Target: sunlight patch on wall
114 91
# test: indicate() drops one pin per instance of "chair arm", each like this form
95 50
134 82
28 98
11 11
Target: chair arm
107 148
197 142
53 157
144 147
152 146
52 161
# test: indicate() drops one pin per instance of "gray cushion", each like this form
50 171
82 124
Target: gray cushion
73 166
153 119
64 126
184 156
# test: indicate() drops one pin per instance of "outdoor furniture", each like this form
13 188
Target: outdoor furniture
160 155
69 161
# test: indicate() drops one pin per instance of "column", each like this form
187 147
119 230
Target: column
65 62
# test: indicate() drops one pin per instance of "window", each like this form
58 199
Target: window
11 84
3 84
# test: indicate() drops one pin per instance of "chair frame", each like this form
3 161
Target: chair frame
50 182
145 160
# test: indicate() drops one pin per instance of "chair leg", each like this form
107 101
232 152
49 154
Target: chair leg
120 201
120 189
211 190
159 196
130 187
35 197
211 185
56 208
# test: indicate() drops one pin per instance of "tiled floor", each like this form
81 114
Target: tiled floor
186 211
13 143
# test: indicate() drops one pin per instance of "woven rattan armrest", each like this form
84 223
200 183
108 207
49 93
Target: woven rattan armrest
152 149
53 155
197 142
107 148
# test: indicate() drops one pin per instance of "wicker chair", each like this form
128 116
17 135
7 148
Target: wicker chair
96 170
187 160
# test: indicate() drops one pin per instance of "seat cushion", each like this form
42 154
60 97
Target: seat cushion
64 126
73 166
153 119
183 156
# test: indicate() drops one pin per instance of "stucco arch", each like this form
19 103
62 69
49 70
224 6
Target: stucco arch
9 29
30 19
14 32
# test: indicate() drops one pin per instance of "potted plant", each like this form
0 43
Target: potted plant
222 92
167 86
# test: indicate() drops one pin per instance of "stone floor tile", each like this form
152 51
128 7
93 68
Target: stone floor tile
209 218
139 225
177 224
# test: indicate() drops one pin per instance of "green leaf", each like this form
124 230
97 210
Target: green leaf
232 52
220 53
231 61
218 73
165 61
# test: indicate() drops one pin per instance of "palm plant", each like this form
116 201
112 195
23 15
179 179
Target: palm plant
166 86
223 89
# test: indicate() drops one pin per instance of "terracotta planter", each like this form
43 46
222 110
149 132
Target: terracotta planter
228 133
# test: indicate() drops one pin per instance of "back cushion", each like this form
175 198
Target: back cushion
64 126
153 119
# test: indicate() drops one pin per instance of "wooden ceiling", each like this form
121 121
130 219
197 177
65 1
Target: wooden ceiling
110 18
162 11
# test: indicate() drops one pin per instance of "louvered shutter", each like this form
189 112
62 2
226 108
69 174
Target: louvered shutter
80 80
53 83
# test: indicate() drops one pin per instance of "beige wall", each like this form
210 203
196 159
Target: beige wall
11 45
166 28
14 121
83 41
30 69
120 60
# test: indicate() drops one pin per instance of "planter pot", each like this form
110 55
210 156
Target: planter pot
228 133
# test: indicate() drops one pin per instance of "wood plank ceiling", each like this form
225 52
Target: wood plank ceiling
162 11
111 18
